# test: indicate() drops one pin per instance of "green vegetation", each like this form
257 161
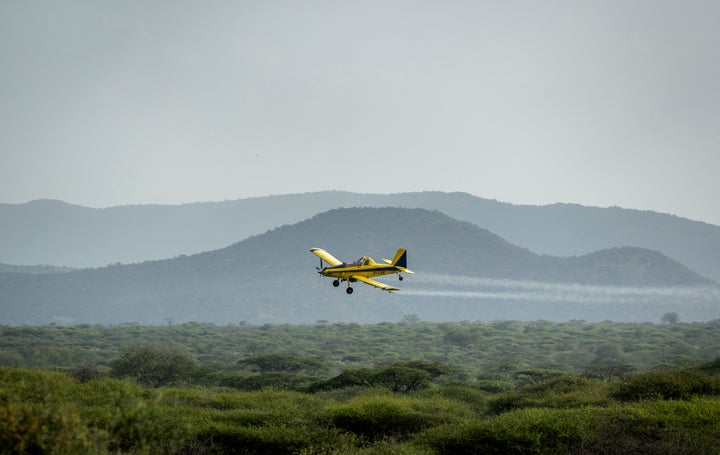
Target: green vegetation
405 388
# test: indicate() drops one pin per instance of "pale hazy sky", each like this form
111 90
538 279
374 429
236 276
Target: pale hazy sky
608 102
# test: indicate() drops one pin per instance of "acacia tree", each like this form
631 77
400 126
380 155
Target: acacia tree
402 378
609 362
670 318
154 366
535 376
275 363
410 376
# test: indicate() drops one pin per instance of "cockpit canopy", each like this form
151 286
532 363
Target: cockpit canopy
365 261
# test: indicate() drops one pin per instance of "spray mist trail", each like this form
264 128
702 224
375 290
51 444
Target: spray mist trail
504 289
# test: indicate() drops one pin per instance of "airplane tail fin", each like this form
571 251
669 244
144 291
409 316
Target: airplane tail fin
400 260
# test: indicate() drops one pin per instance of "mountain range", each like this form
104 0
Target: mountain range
463 272
60 234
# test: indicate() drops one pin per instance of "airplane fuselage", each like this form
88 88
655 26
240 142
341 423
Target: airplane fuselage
344 271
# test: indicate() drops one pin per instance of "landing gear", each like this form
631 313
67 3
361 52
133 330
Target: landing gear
336 283
400 277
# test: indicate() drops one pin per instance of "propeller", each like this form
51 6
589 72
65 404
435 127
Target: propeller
319 271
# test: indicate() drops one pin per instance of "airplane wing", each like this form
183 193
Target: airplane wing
325 256
377 284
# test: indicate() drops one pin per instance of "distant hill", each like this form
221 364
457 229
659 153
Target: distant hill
33 269
271 278
53 232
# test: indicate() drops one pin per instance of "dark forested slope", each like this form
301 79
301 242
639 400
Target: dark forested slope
271 277
52 232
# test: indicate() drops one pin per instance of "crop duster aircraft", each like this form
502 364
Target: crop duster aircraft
362 269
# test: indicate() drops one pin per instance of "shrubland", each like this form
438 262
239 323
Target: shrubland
405 388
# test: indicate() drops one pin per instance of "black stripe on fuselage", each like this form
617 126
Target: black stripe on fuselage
344 269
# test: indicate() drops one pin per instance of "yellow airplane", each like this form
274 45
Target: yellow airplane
362 269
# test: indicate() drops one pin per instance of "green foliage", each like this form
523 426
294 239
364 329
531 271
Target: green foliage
489 351
609 362
565 391
41 428
44 412
47 412
404 377
460 337
129 414
670 318
85 373
287 363
712 367
34 417
276 381
230 438
534 376
528 431
493 386
348 378
668 385
475 399
258 422
657 427
375 417
362 389
153 366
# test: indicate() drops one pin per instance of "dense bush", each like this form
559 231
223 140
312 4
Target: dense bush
658 428
85 373
35 417
712 367
286 363
348 378
46 412
527 431
153 366
654 428
488 351
376 417
474 398
401 377
504 387
669 385
224 438
42 428
129 414
564 391
272 381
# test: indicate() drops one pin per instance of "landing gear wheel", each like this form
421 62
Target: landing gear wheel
400 277
349 290
336 283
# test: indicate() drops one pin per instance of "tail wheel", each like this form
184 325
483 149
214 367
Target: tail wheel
400 277
349 290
